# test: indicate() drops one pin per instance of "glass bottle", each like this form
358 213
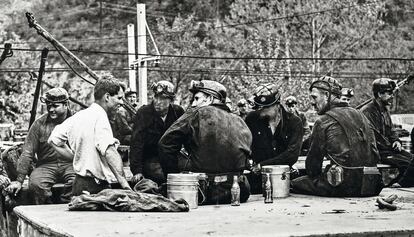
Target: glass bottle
268 190
235 192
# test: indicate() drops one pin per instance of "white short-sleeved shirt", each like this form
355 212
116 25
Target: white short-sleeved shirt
89 134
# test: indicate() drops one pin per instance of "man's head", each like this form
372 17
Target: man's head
163 96
108 93
131 96
346 95
56 101
207 92
291 104
323 91
243 106
266 99
383 90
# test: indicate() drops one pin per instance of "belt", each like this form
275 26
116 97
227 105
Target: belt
97 181
223 177
371 170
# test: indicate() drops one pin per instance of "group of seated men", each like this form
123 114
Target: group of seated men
80 150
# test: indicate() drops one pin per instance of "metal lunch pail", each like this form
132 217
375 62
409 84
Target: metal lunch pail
280 179
183 186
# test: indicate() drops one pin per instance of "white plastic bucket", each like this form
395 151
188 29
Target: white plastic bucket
280 179
183 186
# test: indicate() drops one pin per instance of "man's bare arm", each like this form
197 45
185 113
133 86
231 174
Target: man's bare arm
64 151
115 164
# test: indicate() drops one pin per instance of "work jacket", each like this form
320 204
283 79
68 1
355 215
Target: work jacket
122 126
343 136
217 141
282 147
147 131
380 121
36 149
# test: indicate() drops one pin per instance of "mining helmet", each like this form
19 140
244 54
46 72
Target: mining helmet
209 87
348 92
327 83
265 95
291 100
383 85
55 95
241 102
163 88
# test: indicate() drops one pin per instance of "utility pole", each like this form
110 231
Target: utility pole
142 59
131 57
142 51
100 17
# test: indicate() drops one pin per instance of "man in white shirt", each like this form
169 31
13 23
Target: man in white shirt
87 137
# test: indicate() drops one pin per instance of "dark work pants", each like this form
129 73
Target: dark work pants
220 193
355 183
45 176
152 170
407 178
255 181
88 184
404 162
319 186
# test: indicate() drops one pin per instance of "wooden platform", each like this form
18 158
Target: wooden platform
297 215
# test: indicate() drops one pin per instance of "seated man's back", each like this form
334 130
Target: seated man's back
218 143
342 135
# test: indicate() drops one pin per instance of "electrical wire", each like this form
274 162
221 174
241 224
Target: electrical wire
232 58
215 70
74 71
259 21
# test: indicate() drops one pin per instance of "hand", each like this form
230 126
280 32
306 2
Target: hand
4 181
14 188
397 146
249 164
136 178
256 168
125 185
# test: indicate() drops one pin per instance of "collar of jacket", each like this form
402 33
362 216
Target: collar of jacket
338 104
222 106
380 106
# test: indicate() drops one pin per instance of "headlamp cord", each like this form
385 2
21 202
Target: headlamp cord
329 96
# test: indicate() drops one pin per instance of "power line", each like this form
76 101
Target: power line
232 58
257 21
217 70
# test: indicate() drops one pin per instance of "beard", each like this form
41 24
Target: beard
388 102
161 111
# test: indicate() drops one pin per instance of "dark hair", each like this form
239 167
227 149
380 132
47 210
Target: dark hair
382 85
129 93
107 84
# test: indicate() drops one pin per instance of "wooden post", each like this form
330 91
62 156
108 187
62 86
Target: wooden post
142 51
45 51
131 57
